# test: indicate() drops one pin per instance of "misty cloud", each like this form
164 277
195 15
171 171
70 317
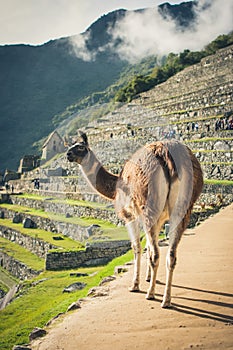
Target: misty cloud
79 47
146 33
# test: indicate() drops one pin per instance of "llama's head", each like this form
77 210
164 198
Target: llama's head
79 150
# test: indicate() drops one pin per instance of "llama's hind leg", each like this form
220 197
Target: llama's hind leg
134 233
171 258
170 266
148 268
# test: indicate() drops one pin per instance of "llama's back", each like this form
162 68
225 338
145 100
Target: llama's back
150 173
186 187
182 171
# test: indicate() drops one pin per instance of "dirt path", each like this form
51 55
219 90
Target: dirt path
201 317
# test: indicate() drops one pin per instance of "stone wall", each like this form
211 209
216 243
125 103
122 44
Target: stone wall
102 252
71 210
94 254
211 148
202 92
73 231
208 196
16 268
35 245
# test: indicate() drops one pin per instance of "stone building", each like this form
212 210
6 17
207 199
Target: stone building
28 163
53 145
10 175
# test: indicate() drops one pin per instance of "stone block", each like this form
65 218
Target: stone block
120 269
37 333
74 286
78 274
74 306
29 223
222 146
58 238
17 219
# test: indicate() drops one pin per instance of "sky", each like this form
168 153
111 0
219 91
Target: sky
141 33
38 21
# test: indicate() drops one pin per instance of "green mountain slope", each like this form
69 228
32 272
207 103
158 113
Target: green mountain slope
37 83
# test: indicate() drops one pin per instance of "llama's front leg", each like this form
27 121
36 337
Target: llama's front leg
134 233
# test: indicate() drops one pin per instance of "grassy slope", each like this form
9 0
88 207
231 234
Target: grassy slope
45 300
110 231
38 304
65 243
68 201
21 254
7 280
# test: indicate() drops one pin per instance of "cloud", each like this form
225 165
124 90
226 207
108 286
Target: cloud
143 33
147 33
213 18
79 47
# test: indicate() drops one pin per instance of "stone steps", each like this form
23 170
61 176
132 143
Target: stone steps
103 212
202 93
193 89
54 224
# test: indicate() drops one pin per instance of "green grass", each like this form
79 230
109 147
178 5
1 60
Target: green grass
21 254
81 203
109 230
67 243
210 151
218 182
36 305
73 202
53 216
3 287
208 139
195 119
31 196
182 111
217 163
8 280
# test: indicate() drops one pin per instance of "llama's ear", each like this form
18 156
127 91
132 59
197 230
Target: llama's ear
84 137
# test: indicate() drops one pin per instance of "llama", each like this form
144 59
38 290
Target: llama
160 182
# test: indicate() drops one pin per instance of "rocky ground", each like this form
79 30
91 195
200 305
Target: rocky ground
201 316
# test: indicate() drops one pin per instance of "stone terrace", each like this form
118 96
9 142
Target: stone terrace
199 94
202 93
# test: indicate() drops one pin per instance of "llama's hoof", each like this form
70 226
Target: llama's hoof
147 279
150 296
166 304
134 289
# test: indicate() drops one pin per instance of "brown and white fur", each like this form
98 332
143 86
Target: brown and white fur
160 182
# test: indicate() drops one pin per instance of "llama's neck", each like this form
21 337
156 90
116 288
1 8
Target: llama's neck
99 178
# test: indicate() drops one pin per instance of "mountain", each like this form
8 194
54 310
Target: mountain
39 82
183 13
